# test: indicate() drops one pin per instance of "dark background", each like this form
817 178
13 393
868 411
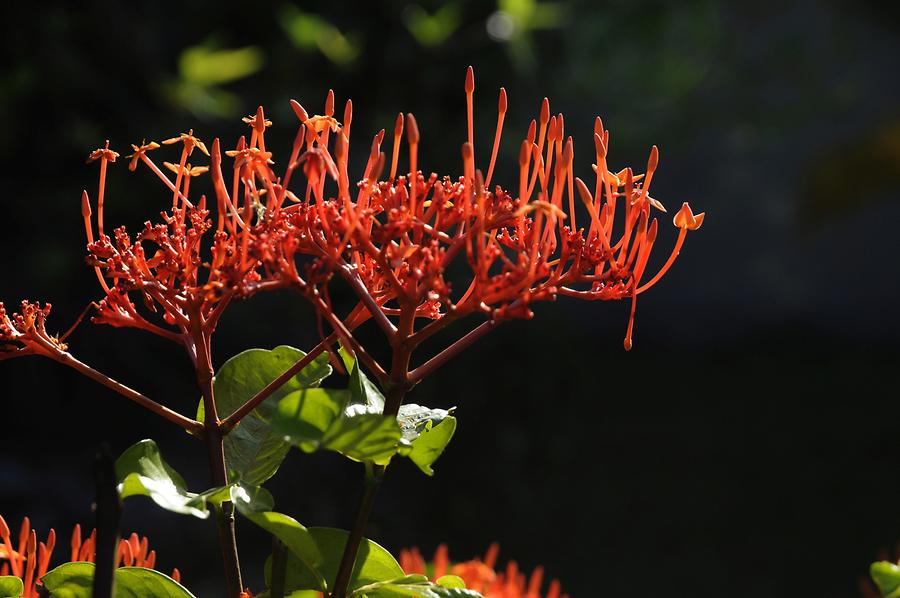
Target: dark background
747 446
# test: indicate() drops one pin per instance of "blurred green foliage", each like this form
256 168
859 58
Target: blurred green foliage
202 69
309 31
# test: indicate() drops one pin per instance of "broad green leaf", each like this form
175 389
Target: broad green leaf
294 594
303 416
317 419
71 580
373 563
300 543
11 586
253 452
364 437
431 443
362 390
75 580
418 586
141 471
887 577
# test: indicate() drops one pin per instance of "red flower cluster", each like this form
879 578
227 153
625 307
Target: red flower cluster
395 240
30 559
25 333
481 574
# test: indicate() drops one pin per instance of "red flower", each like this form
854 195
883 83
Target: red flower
482 575
30 559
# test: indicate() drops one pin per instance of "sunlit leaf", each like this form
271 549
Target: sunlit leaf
303 416
364 437
75 580
11 586
317 419
431 444
253 452
418 586
362 390
141 471
886 576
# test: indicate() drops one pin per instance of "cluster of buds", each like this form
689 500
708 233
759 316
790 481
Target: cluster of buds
29 559
25 333
480 574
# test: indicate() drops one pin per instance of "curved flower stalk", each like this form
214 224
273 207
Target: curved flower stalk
29 559
482 575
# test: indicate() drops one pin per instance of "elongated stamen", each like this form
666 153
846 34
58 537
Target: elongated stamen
662 271
470 89
412 137
398 131
501 114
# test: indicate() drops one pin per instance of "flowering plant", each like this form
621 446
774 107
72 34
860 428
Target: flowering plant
420 253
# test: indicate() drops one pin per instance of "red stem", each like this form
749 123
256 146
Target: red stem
65 358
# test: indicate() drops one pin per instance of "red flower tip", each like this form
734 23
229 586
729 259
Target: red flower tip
470 80
85 205
685 218
653 162
545 112
329 103
599 146
412 129
299 111
501 104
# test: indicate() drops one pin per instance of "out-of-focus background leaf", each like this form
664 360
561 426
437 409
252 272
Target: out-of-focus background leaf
750 434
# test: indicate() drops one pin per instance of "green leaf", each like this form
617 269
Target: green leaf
362 390
11 586
303 417
364 437
431 444
72 580
317 419
887 577
75 580
141 471
450 581
298 540
418 586
253 452
373 563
